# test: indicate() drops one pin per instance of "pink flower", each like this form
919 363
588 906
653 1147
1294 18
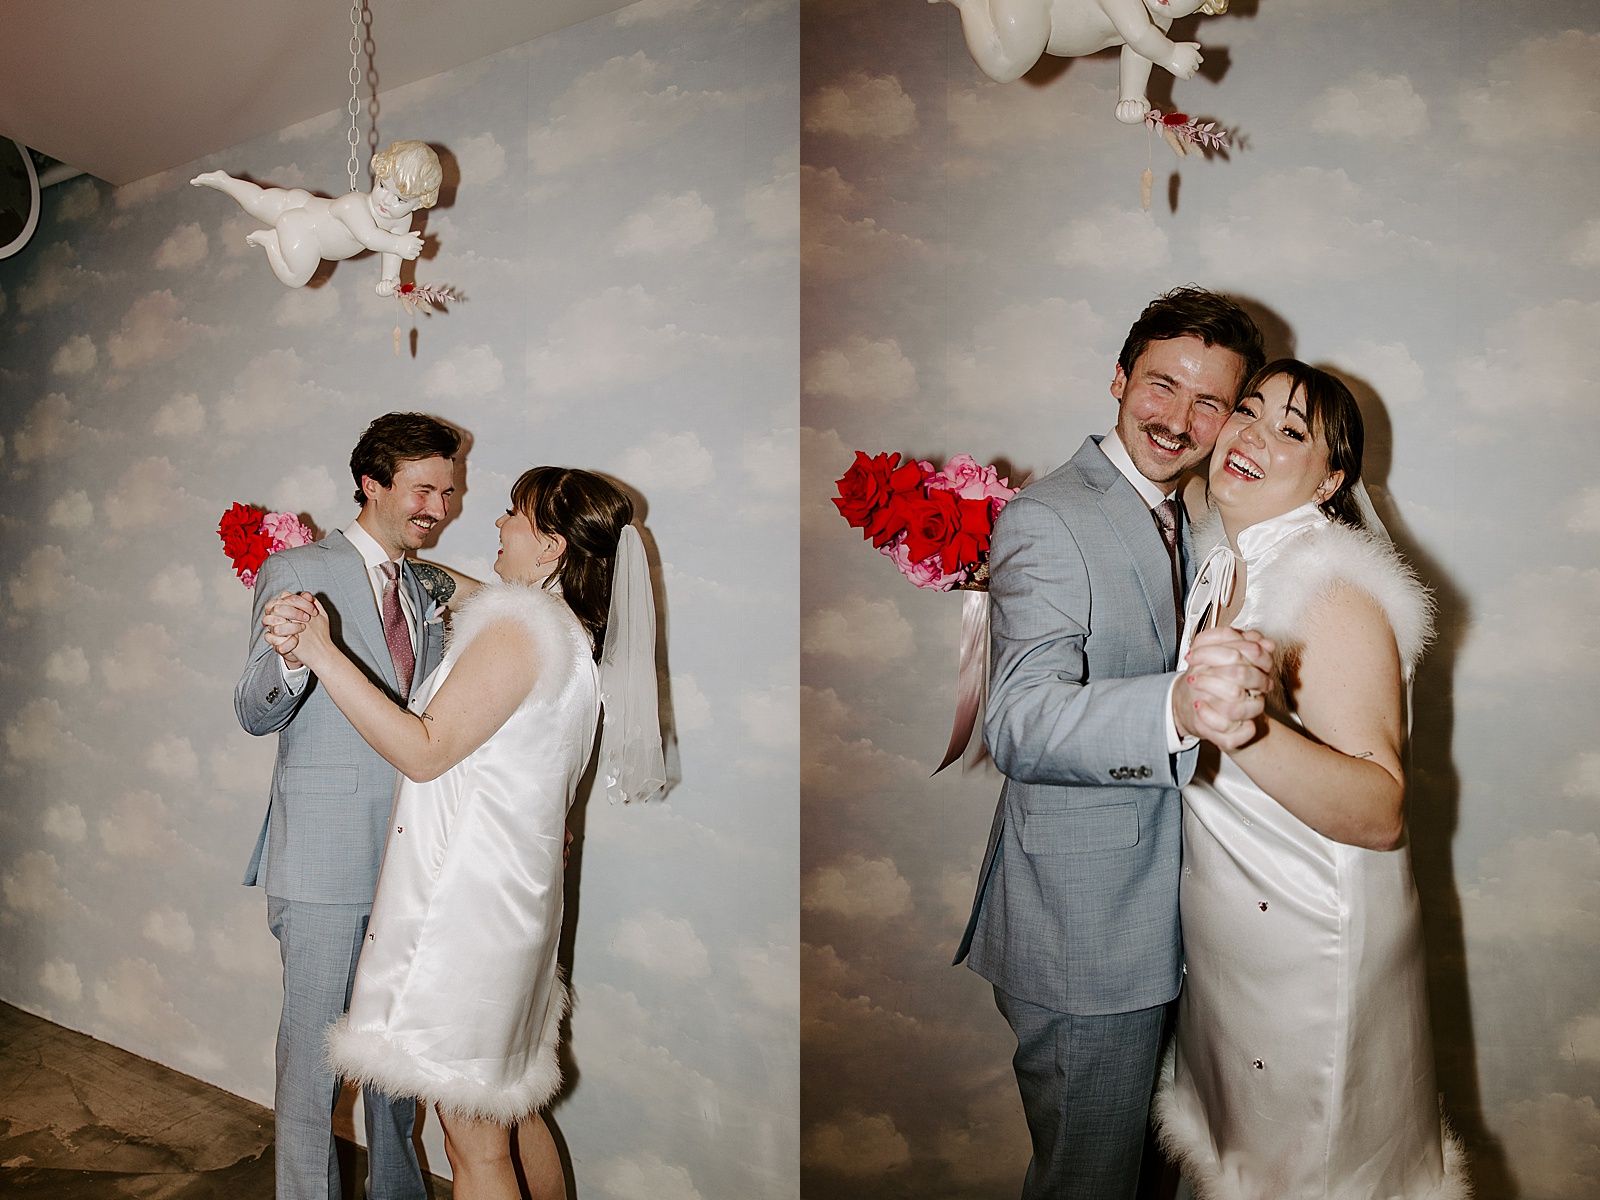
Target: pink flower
925 574
285 530
963 476
248 578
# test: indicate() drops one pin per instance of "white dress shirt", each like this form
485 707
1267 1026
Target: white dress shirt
375 557
1111 446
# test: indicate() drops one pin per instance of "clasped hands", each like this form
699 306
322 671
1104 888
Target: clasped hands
297 628
1221 695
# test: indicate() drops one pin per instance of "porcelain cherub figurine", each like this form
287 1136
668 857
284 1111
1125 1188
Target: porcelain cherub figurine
307 229
1006 37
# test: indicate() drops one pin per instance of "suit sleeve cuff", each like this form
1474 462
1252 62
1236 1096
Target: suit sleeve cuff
1175 743
294 679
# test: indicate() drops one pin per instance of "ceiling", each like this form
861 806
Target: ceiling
126 88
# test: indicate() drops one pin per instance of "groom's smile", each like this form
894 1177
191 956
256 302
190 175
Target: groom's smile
1173 405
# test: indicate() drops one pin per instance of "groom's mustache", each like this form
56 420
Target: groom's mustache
1161 431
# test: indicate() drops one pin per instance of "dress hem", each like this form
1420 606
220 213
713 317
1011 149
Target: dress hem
1186 1141
373 1058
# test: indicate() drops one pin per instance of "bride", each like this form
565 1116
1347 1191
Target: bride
457 999
1303 1063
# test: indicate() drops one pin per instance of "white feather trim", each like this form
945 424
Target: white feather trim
377 1059
1185 1139
1307 565
559 639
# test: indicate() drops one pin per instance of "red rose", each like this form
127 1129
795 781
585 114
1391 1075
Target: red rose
1175 119
242 537
970 542
873 492
931 522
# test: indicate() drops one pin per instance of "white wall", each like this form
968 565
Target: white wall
625 232
1412 201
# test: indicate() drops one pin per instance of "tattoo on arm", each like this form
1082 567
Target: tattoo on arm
1363 754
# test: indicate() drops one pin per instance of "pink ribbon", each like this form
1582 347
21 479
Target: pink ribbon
972 678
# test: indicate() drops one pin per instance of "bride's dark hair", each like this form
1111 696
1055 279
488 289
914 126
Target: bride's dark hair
1331 411
589 511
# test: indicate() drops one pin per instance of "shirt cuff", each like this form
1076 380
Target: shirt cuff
1176 744
294 679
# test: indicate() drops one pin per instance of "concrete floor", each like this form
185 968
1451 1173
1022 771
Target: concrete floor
80 1119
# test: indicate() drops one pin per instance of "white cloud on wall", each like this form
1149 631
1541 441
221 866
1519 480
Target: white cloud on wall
624 102
1032 355
77 356
1583 513
663 944
481 159
307 490
60 978
861 106
176 587
770 715
43 581
836 242
691 708
1389 368
65 822
56 280
169 929
856 1143
624 335
466 373
48 430
1547 621
33 885
666 225
1371 106
71 511
1300 225
67 665
666 462
992 115
1545 90
148 494
653 10
185 247
861 370
307 307
182 416
151 330
1541 357
1537 886
39 733
138 825
1587 252
773 207
78 202
144 661
859 630
1117 240
646 1176
771 463
173 757
857 887
270 391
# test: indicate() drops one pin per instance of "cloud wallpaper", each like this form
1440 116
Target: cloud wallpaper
711 247
1410 200
621 214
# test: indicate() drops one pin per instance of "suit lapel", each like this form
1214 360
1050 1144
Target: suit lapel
1129 517
358 611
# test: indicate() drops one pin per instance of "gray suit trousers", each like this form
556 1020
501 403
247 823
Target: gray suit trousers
1086 1084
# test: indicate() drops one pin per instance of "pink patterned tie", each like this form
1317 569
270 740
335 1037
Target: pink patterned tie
395 631
1166 515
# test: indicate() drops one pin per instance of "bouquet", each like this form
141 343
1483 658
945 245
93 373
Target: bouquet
935 525
249 534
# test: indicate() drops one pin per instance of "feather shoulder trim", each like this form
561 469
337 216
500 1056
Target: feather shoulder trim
1307 565
559 640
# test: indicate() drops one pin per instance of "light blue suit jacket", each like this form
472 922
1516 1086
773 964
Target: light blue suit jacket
322 839
1077 900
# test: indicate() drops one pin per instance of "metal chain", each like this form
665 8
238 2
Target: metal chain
353 164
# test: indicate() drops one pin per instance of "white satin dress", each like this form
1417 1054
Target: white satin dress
457 999
1303 1061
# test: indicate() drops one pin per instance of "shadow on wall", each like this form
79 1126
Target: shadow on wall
1433 802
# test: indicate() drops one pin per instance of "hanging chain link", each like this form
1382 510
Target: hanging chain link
353 164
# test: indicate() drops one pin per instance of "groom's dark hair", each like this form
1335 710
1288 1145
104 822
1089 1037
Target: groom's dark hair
1191 311
395 438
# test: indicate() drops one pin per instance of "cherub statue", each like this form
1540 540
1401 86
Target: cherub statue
1006 37
307 229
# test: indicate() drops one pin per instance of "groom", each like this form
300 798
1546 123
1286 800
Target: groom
1075 921
319 848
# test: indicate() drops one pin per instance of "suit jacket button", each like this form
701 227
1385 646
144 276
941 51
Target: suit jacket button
272 696
1144 772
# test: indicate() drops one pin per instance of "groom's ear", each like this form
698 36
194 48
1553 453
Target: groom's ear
370 487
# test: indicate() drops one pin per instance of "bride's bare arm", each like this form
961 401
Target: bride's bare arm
1342 775
494 674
